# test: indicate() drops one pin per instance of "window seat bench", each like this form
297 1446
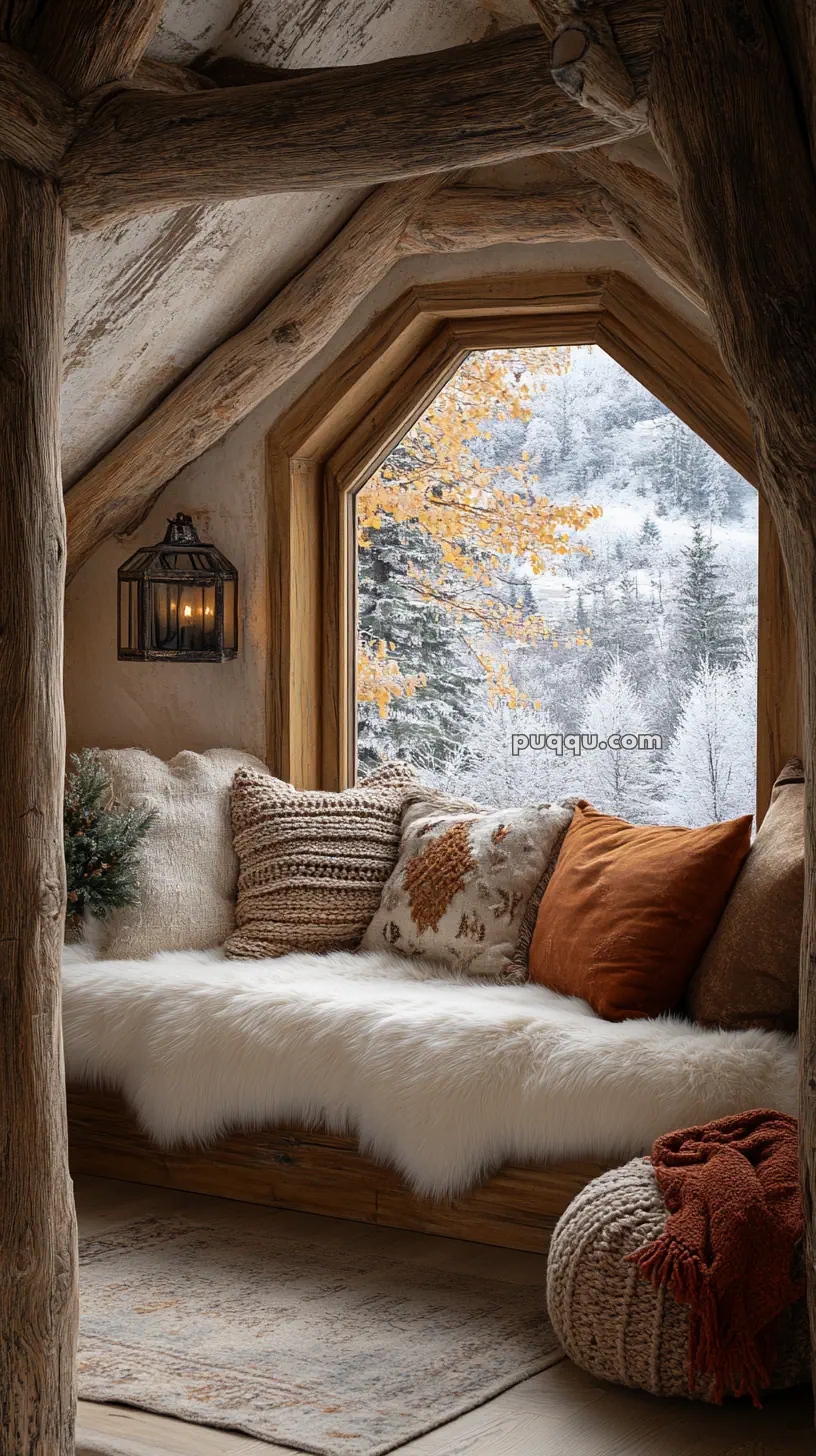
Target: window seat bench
378 1087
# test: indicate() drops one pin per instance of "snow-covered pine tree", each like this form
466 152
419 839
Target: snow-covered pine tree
423 640
707 625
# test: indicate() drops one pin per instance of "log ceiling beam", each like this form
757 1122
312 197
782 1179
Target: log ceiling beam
84 44
37 119
233 71
487 102
644 212
117 493
795 26
419 216
152 75
626 30
459 218
587 64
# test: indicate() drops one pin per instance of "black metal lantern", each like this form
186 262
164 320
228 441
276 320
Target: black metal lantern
178 601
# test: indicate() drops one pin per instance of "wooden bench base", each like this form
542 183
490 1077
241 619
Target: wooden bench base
319 1172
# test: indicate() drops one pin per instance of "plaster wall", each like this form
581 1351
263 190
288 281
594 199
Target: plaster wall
166 707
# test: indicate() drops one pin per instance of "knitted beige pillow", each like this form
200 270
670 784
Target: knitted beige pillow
187 867
463 881
312 863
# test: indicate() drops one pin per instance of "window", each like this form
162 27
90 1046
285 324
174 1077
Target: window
557 594
322 458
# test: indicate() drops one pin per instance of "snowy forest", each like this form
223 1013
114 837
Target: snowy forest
551 552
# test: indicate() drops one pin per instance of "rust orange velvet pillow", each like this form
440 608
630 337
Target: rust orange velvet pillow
630 909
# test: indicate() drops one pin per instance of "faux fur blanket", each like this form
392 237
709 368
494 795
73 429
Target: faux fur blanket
443 1077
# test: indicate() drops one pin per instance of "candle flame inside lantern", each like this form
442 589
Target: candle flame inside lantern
188 611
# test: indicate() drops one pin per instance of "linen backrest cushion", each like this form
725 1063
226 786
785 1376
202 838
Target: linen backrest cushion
749 975
187 868
312 863
463 881
630 908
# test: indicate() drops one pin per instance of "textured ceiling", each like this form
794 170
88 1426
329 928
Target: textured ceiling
148 299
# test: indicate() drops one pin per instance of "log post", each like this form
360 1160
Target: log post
726 119
38 1291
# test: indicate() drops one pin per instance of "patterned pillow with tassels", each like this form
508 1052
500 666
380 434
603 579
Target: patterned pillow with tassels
463 881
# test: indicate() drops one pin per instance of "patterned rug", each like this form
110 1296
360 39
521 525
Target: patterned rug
324 1350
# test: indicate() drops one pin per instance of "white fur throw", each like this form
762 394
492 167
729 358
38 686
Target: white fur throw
443 1077
187 866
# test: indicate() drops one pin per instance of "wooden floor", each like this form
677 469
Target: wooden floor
560 1412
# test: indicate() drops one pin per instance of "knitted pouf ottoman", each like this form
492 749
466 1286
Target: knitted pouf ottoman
614 1323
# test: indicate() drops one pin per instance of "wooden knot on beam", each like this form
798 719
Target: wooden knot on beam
37 119
587 65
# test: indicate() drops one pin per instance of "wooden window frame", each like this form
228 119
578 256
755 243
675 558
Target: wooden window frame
329 442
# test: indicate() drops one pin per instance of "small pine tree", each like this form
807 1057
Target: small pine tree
707 621
100 844
649 533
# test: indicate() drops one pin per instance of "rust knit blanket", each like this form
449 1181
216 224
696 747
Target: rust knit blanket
735 1216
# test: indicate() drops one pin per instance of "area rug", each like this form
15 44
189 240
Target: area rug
327 1350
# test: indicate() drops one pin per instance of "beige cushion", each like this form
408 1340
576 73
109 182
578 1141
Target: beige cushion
187 867
463 880
312 863
749 975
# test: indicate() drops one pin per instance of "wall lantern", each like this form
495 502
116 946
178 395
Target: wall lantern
178 601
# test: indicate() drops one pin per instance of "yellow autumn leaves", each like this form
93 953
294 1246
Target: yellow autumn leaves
379 678
482 517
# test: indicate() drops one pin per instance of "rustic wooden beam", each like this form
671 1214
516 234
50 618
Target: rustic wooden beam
37 119
38 1289
399 218
587 64
457 218
16 19
626 29
645 213
152 75
234 71
116 494
83 44
795 26
607 199
724 114
346 127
